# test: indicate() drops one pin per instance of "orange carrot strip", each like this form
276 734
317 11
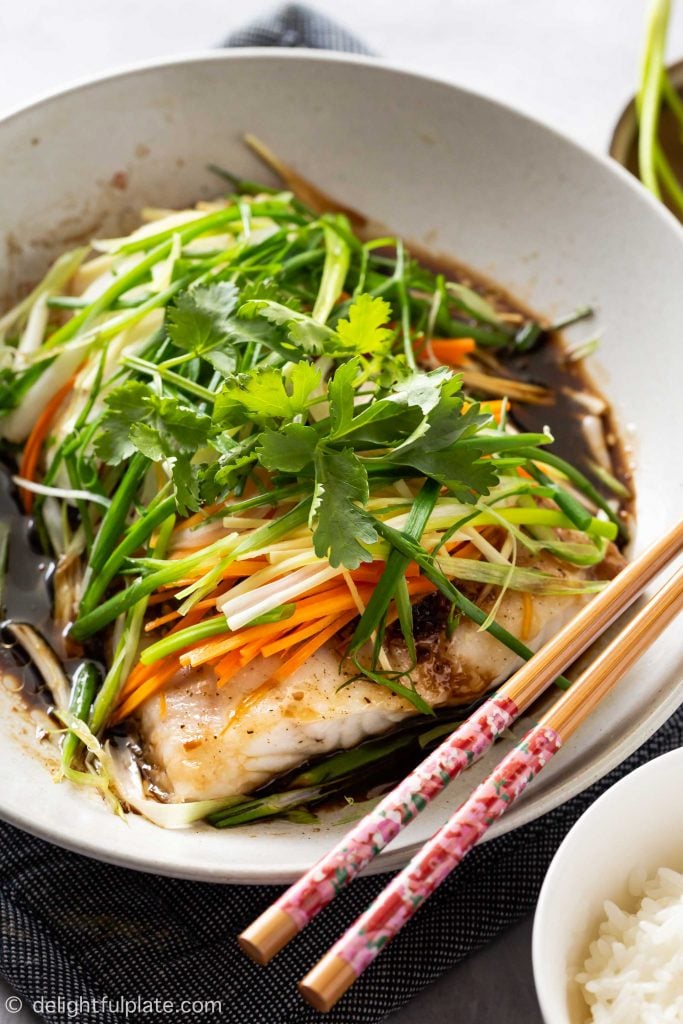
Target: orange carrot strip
307 649
452 351
296 636
337 601
368 573
160 596
142 672
300 656
206 652
254 647
198 517
148 688
162 706
420 586
227 667
161 621
494 407
36 440
287 637
334 603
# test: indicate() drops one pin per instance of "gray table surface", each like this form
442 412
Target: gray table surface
572 65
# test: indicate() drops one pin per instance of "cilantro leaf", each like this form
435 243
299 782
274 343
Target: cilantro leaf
147 440
224 362
382 420
138 419
341 393
267 394
435 451
126 405
185 478
342 527
425 390
304 333
288 450
446 424
200 319
363 331
461 470
221 475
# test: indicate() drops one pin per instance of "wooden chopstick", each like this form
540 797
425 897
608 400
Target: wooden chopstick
318 886
346 961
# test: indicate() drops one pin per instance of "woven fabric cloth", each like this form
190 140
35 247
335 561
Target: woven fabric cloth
88 942
298 26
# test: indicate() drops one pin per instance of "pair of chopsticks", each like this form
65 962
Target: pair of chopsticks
344 963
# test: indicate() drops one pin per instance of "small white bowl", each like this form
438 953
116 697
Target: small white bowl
637 823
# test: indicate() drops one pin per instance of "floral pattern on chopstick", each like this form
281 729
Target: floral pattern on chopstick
412 886
466 744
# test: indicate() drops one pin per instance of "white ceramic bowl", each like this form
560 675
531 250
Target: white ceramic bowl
443 167
637 823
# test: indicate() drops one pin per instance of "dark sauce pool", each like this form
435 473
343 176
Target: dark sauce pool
26 593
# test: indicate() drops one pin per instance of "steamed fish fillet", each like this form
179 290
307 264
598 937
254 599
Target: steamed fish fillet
199 755
195 753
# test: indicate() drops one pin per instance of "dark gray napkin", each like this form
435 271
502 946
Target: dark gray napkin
87 942
299 26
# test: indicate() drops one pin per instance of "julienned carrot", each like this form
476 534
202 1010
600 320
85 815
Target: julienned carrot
198 517
296 636
331 610
307 649
206 652
334 602
249 650
266 645
452 351
494 407
288 667
162 676
142 672
163 620
36 440
161 596
226 668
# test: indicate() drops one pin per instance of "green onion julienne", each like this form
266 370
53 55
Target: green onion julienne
247 413
655 89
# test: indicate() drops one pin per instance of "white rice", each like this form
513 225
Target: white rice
634 974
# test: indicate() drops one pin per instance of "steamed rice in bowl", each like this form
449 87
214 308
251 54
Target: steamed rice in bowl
634 971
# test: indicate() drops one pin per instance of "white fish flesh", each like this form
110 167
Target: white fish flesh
197 753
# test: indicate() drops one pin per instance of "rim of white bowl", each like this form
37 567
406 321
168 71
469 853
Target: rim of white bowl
553 876
337 57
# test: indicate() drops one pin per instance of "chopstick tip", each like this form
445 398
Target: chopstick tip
267 935
327 982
